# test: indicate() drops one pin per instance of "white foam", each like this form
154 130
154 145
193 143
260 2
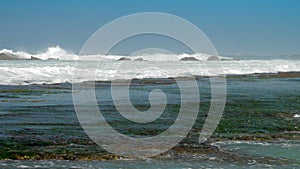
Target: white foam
28 72
58 53
297 115
157 66
52 53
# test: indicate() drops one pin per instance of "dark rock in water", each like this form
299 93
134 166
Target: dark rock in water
230 59
189 59
52 59
213 58
123 58
139 59
34 58
8 56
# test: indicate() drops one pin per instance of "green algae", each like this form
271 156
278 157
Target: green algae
246 117
17 91
22 101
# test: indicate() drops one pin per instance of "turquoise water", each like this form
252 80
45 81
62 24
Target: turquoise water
39 127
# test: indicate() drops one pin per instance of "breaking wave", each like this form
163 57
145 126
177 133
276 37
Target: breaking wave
61 54
51 71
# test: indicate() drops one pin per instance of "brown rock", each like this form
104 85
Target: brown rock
8 56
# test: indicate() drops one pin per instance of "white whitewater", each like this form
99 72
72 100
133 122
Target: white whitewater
61 54
23 72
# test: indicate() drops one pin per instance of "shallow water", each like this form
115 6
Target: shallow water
149 163
258 128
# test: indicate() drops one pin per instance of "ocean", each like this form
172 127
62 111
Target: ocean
259 128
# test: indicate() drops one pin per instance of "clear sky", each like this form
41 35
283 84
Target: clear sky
254 27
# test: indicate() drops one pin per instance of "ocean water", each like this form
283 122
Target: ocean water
260 126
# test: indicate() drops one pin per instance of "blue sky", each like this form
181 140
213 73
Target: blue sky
252 27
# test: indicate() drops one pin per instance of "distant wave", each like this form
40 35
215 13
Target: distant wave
61 54
141 67
51 53
50 72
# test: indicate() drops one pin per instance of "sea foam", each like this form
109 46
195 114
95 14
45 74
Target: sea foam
58 53
71 67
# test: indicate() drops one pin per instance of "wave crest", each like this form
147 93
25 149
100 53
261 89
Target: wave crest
61 54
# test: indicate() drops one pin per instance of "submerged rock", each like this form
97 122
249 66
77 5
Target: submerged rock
139 59
213 58
52 59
